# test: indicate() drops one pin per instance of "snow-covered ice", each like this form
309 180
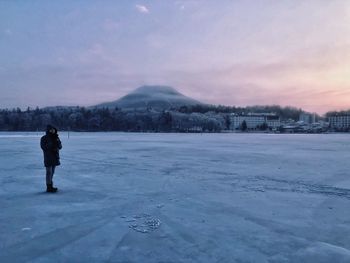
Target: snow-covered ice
131 197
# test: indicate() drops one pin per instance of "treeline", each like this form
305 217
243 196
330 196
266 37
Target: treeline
334 113
197 118
104 119
284 113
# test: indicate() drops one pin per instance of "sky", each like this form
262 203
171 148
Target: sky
230 52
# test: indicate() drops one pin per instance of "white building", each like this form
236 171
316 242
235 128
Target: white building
340 121
273 122
255 120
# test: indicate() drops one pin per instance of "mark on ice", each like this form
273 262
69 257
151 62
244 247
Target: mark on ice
143 223
263 183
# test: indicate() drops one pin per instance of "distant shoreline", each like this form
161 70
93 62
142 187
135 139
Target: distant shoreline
151 132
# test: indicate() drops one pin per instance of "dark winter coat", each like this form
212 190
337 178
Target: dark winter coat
51 144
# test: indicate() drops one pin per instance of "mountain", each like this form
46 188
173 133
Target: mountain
155 97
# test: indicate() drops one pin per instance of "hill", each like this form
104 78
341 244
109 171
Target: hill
155 97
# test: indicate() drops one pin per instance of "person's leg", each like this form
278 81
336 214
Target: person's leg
53 172
49 173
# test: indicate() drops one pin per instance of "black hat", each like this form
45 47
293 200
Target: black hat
49 127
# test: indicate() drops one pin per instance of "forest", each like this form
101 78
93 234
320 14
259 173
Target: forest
197 118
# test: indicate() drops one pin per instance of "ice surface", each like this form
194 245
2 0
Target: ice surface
130 197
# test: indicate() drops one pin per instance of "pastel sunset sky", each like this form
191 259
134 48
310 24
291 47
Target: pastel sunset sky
248 52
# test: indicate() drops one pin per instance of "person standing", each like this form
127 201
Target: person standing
51 145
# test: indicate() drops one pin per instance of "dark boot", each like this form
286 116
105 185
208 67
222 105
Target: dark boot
50 188
54 188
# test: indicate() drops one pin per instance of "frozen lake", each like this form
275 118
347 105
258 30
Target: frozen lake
128 197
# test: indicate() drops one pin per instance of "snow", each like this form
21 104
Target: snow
131 197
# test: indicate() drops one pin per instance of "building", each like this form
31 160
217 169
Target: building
340 122
255 121
273 121
307 118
